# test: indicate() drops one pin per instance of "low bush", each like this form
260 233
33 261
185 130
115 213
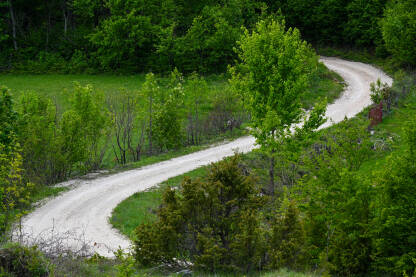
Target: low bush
20 261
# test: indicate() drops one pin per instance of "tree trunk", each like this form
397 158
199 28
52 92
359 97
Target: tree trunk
65 22
13 19
48 25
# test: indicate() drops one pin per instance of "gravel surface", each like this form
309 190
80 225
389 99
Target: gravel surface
84 211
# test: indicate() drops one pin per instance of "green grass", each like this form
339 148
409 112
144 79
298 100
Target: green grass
46 191
141 207
59 86
326 84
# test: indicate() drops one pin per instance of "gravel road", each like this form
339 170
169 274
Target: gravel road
84 210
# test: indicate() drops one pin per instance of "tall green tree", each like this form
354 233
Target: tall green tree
273 72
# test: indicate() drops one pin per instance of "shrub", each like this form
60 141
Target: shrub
287 247
17 260
213 224
78 62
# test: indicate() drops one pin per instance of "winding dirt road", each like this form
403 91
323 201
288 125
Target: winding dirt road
84 211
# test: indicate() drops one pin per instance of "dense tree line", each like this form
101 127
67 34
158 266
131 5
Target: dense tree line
138 36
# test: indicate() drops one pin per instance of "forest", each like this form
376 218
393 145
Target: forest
91 86
75 36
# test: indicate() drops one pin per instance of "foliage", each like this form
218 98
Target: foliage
362 27
53 146
123 39
18 260
394 224
7 119
167 126
14 190
379 92
274 71
137 36
208 43
287 243
88 104
39 138
334 22
399 30
196 99
336 203
212 224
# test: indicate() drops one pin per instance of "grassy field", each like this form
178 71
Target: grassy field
59 86
326 84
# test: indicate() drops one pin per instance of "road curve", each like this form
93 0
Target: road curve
84 211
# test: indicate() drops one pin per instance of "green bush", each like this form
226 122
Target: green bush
288 242
20 261
213 224
78 62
